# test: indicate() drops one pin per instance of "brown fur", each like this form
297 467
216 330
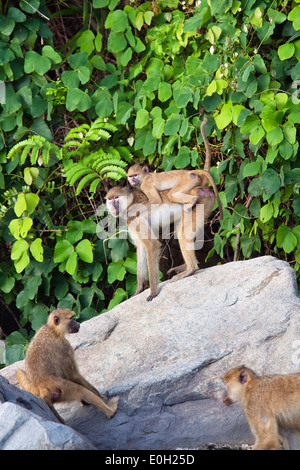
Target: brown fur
51 370
177 182
148 249
271 405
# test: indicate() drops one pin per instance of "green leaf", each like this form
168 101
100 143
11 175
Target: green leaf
25 226
77 99
255 188
100 3
104 106
84 251
139 20
36 249
14 353
88 313
286 51
266 212
158 127
20 205
30 175
6 25
119 248
115 271
63 249
257 135
62 287
164 91
290 243
172 125
118 297
251 124
71 264
270 181
142 118
148 15
32 201
70 78
19 248
78 60
16 338
196 21
7 282
117 21
51 54
123 112
285 238
16 15
213 34
34 62
275 136
182 96
183 158
30 7
251 169
38 315
116 42
14 227
126 57
294 16
86 41
225 116
259 64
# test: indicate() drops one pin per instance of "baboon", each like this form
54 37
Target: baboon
178 182
144 218
51 370
271 405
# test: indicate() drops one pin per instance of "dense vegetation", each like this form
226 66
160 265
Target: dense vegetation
87 87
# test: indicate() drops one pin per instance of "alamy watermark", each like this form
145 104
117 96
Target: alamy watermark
155 222
296 93
2 352
2 93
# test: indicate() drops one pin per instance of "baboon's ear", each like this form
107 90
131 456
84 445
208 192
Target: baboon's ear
56 320
243 377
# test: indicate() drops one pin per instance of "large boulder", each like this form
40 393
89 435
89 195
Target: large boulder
27 423
165 358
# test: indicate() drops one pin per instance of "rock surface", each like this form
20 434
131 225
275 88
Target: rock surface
165 358
27 423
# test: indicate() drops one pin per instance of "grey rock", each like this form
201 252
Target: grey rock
26 423
165 358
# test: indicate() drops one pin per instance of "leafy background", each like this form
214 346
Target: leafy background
88 87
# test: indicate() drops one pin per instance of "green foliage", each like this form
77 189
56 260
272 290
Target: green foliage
136 80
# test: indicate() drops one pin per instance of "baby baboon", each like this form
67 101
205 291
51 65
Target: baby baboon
271 405
51 370
178 182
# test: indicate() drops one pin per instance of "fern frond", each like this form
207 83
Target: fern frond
25 152
124 152
72 143
115 176
94 185
34 155
92 135
73 174
31 147
110 127
117 170
85 180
